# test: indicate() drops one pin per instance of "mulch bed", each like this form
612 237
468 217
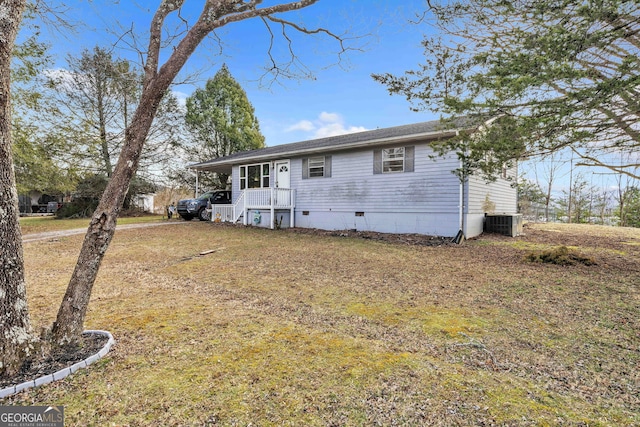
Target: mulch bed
57 360
407 239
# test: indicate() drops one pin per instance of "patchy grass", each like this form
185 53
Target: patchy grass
280 328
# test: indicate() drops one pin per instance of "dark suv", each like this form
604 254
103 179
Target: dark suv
191 208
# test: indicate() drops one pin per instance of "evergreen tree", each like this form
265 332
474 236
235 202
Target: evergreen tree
565 73
221 121
530 197
630 213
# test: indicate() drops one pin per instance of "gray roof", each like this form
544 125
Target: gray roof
423 131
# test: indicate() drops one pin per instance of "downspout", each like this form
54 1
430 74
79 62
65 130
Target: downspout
273 185
462 222
196 182
461 203
461 232
518 193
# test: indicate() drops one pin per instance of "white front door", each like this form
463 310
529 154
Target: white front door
283 178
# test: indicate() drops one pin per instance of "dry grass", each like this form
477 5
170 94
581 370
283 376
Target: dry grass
281 328
41 224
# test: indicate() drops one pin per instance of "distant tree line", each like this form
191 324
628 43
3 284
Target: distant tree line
582 202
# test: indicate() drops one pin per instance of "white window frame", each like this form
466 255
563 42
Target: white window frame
391 158
316 167
265 175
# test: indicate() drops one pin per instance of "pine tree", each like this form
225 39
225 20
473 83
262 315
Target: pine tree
221 121
565 73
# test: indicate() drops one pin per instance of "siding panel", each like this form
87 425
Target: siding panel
424 201
353 186
501 195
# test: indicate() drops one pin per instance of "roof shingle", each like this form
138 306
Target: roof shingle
424 130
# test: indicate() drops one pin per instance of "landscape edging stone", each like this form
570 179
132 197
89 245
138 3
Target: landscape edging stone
62 373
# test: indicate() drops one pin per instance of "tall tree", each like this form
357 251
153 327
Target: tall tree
36 153
157 78
16 335
530 197
221 121
96 95
576 201
629 213
566 71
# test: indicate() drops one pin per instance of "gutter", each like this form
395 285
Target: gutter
337 147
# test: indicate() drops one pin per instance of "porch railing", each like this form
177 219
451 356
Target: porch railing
228 213
256 198
265 198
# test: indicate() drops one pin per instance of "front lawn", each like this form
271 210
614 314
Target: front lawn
280 328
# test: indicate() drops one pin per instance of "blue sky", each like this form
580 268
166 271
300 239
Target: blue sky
340 97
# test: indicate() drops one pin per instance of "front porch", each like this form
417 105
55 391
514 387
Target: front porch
254 200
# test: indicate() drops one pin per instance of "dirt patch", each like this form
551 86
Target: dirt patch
406 239
57 360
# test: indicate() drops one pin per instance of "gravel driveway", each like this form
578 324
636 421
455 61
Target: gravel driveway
63 233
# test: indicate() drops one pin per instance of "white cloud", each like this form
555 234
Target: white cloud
64 77
330 117
181 97
334 129
303 125
326 125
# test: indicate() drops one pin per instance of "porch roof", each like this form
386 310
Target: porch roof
423 131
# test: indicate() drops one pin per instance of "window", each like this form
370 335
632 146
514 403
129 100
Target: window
266 167
254 176
393 160
316 167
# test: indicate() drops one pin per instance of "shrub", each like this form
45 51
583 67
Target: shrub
79 208
560 256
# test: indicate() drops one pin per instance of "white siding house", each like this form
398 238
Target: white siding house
386 180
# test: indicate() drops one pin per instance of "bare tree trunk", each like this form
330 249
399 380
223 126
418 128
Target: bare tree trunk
16 335
70 319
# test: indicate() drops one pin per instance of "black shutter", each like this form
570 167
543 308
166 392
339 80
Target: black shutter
377 161
327 166
409 158
305 168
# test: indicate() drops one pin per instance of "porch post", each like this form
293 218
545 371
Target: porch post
273 211
244 208
292 195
